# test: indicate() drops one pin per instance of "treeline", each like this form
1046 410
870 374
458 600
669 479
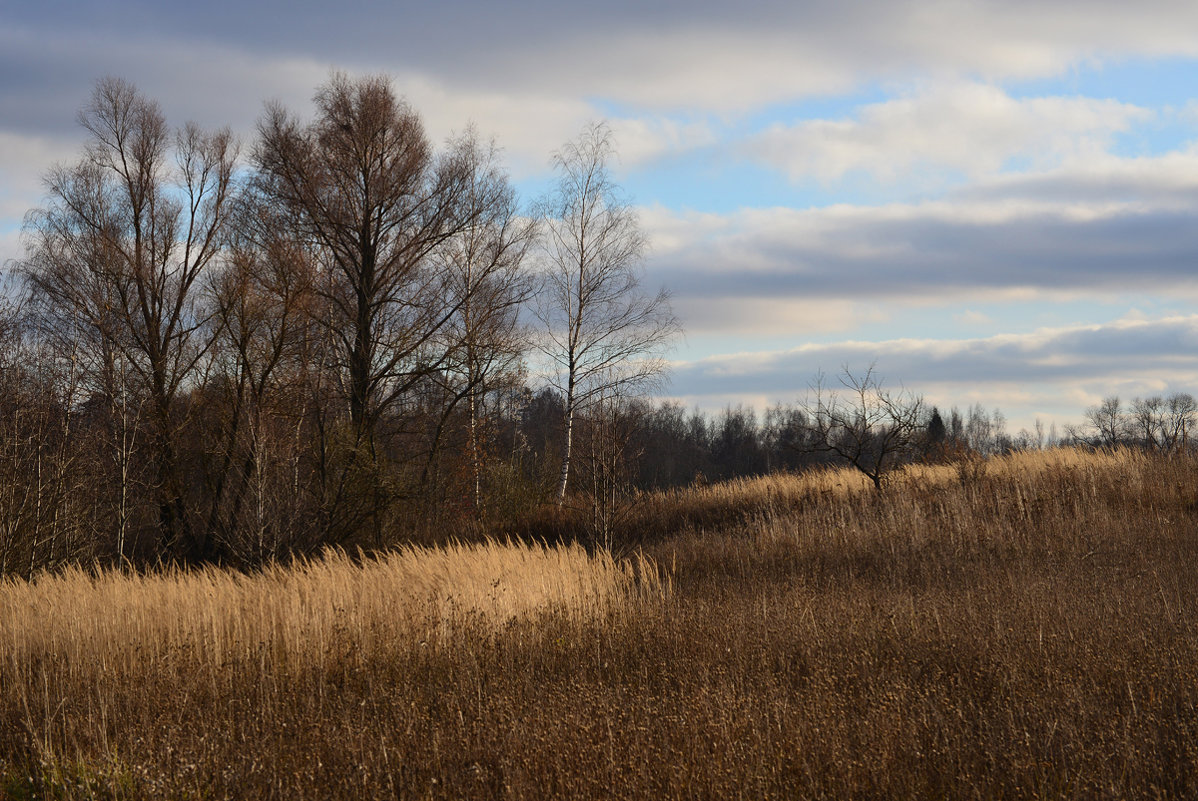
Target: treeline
270 472
676 447
209 355
1156 422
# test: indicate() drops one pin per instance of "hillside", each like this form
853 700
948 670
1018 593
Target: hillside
1021 627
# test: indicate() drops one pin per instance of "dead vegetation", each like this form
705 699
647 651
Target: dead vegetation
1021 627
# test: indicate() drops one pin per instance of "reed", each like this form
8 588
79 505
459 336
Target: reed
1018 628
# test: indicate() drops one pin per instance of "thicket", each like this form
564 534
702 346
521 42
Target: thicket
215 357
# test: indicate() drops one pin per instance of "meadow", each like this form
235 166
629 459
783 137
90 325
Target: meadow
1018 627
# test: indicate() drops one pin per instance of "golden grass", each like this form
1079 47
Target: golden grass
1018 628
117 621
731 504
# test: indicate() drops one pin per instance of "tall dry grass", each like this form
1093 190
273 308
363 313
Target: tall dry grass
299 612
714 505
1019 628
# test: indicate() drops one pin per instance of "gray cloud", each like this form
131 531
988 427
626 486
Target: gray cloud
1168 180
1012 241
676 54
1149 354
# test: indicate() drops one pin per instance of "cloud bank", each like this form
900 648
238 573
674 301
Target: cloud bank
1133 356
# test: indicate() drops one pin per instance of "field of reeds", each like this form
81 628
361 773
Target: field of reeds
1020 627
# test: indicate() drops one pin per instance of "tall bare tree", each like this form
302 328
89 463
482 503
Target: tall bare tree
366 189
486 282
1146 421
125 237
1109 422
602 333
263 306
375 203
1181 412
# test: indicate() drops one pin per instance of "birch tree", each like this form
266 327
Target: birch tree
602 333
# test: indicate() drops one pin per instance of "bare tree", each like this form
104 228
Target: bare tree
608 461
376 205
120 247
262 310
366 189
1107 422
864 424
602 333
1152 422
486 282
1147 420
1181 412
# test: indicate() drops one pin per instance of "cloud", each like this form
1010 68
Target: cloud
644 139
1055 368
1167 180
972 318
1007 245
25 159
531 75
502 115
769 317
972 129
10 249
664 56
45 76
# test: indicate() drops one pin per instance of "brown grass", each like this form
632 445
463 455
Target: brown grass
1022 628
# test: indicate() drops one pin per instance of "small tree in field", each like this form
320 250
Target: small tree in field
864 424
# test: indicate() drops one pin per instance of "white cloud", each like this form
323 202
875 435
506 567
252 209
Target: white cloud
643 139
528 126
770 317
24 160
967 128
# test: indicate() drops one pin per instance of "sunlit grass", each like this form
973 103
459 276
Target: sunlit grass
117 621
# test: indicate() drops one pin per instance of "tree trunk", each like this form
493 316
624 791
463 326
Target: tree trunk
566 444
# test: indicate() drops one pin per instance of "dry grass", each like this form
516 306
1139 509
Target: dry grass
731 504
1023 628
297 615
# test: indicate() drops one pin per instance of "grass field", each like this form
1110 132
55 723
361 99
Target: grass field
1022 627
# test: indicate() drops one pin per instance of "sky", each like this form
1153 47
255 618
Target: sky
989 202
